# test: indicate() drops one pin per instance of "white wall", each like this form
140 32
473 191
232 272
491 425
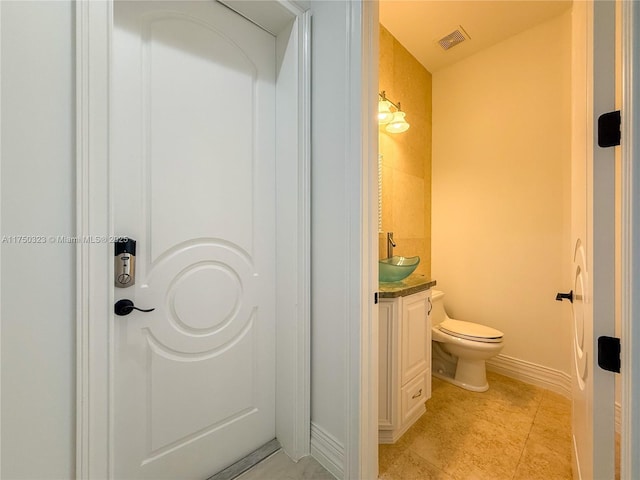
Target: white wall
501 190
342 295
37 195
329 253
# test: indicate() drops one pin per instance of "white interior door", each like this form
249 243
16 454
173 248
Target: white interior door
193 182
593 240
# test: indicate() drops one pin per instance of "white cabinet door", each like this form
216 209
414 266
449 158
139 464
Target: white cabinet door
404 363
388 331
416 342
413 395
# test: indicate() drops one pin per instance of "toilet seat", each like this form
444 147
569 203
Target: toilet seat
471 331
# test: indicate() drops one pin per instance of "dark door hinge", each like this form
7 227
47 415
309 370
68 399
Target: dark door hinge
609 129
375 298
609 354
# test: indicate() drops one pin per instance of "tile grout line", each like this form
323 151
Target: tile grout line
533 421
426 456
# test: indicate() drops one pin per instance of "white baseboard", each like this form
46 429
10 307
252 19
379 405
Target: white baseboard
545 377
327 450
532 373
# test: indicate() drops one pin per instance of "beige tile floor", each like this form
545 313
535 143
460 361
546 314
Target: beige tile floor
513 431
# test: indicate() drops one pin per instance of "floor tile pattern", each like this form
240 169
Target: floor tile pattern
513 431
280 467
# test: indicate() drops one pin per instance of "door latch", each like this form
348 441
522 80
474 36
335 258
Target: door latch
565 296
126 306
125 262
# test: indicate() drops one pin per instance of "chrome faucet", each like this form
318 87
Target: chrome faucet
390 244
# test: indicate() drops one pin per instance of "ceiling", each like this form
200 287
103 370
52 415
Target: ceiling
419 24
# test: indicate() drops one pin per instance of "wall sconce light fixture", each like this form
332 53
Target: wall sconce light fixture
394 121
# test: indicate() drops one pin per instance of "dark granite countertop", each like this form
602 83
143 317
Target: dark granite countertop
412 284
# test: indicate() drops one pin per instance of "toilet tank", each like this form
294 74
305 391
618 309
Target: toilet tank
438 315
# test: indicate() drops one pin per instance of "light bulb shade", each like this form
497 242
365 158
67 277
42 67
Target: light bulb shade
385 115
398 124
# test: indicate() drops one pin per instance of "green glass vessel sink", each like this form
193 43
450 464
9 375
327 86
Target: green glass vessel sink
396 268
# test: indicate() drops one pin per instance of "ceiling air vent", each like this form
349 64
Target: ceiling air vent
453 39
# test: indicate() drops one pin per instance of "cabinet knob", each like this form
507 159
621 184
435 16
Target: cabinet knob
419 394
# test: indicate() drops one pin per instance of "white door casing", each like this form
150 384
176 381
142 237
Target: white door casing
630 251
289 298
593 239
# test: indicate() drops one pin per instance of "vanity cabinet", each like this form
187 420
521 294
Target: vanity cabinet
404 363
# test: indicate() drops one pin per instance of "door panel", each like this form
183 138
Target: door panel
211 92
581 350
193 181
414 336
592 229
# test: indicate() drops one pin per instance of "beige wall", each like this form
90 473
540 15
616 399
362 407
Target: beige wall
501 190
406 170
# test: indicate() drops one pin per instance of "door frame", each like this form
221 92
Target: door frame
361 449
291 26
366 453
630 240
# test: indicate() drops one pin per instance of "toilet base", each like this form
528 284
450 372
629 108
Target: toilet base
470 374
466 386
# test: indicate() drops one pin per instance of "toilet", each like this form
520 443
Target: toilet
460 349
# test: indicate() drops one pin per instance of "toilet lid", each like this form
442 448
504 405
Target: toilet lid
471 331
